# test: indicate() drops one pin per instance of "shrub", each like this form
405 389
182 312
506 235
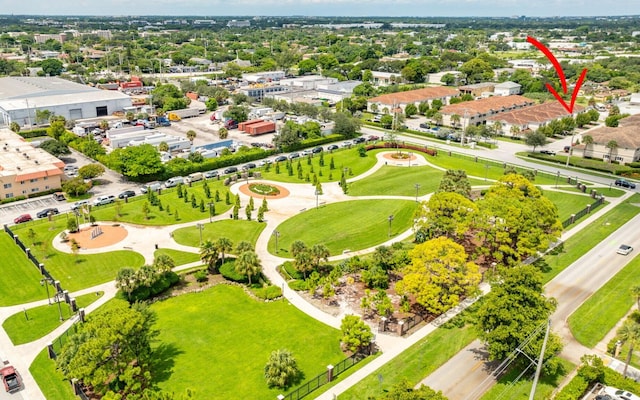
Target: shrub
268 292
201 276
574 390
228 271
290 271
298 285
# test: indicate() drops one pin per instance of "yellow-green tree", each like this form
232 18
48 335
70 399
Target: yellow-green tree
447 214
439 275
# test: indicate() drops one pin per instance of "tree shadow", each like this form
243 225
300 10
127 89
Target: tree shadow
163 360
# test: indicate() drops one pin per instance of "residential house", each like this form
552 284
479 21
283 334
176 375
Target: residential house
402 99
478 89
477 112
531 117
625 137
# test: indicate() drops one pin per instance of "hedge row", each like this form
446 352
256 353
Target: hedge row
33 133
314 142
610 168
391 145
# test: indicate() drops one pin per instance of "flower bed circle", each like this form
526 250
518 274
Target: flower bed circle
264 189
400 156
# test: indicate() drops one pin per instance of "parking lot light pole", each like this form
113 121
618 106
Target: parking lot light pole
45 282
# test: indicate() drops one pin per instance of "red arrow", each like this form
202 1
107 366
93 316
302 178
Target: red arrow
563 80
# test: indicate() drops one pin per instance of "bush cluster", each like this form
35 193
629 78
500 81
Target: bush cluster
163 283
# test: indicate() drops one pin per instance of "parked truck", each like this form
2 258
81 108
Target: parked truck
163 121
177 115
10 379
261 127
230 124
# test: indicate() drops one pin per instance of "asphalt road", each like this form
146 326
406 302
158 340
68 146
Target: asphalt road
467 375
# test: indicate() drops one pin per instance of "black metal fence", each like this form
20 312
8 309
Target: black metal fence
587 210
325 377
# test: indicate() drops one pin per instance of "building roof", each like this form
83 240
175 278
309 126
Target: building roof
539 113
626 136
475 86
17 93
483 106
508 85
20 161
414 96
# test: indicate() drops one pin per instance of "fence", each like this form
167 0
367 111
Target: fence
324 378
587 210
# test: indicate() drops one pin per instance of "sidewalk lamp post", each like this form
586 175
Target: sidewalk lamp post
57 298
200 226
410 156
45 282
210 212
417 186
390 218
486 171
276 234
317 194
557 177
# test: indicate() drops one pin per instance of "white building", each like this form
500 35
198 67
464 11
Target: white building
21 97
261 77
507 88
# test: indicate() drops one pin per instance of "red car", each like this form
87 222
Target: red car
10 379
22 218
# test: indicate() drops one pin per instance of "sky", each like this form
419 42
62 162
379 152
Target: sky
359 8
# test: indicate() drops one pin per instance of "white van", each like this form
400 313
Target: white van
172 182
195 177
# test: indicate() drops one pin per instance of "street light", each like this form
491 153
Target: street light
276 234
570 148
557 177
417 186
210 212
390 218
200 226
45 282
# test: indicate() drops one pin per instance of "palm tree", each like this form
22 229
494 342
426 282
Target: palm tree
126 280
164 263
611 145
281 370
629 332
588 142
437 118
455 120
224 246
319 253
497 127
303 262
248 264
209 254
191 135
298 247
515 130
635 290
243 246
163 146
104 124
223 133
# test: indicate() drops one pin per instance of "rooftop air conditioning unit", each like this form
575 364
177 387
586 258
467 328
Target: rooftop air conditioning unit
36 161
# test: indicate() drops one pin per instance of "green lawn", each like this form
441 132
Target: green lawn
416 362
479 169
521 389
42 320
217 343
132 211
400 181
599 314
344 158
49 379
567 203
20 281
235 230
577 245
352 225
81 271
179 257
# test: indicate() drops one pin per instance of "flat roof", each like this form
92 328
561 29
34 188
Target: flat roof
19 159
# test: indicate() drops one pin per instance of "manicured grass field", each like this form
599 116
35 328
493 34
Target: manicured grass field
504 389
179 257
132 211
578 244
50 380
479 169
80 271
20 281
42 319
217 343
235 230
591 322
344 158
400 181
415 363
352 225
567 203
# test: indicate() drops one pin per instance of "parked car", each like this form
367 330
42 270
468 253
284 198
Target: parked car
566 149
59 196
210 174
78 204
10 379
126 194
22 218
248 166
624 249
294 155
359 140
103 200
372 138
625 183
317 150
153 186
548 152
195 177
332 147
425 126
262 163
69 168
305 153
377 118
346 144
280 159
46 212
172 182
230 170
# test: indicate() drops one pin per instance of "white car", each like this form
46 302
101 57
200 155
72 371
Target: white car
103 200
78 204
305 153
624 249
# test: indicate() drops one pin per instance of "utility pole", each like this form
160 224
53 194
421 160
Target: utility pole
540 360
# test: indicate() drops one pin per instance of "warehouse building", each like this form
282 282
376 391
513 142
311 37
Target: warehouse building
22 97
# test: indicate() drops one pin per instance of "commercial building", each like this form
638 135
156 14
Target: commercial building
24 169
402 99
531 117
626 137
478 111
22 97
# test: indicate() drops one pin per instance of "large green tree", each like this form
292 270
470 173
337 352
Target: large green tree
282 369
55 148
447 214
91 171
137 161
440 275
356 334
